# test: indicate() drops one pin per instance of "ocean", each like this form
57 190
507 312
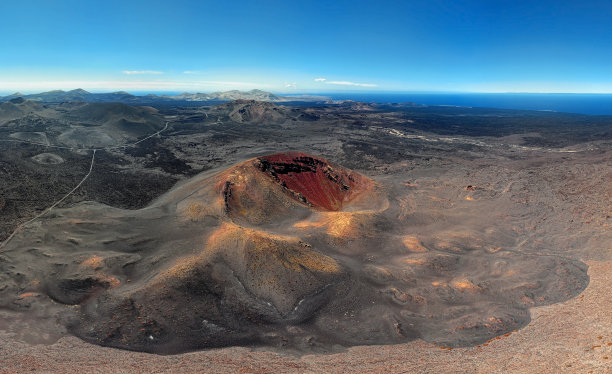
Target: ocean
593 104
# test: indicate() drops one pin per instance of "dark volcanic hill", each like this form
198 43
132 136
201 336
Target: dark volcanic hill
288 250
134 120
10 110
77 123
17 107
252 111
105 124
59 96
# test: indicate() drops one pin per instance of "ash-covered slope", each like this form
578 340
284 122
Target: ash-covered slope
106 124
17 107
77 123
287 250
136 121
251 111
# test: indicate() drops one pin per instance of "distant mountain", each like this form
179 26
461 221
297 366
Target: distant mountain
59 96
252 111
352 105
258 95
15 95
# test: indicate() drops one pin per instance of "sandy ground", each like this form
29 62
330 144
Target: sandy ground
570 337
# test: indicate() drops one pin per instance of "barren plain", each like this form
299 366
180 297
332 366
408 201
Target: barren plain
346 237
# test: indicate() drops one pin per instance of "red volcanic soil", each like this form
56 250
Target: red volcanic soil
314 180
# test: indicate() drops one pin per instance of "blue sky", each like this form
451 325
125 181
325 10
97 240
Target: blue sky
307 46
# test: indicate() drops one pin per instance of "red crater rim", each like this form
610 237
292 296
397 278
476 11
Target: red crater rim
313 180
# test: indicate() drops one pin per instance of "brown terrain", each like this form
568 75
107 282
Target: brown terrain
326 239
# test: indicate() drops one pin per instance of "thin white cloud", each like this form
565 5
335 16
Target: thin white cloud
141 72
127 85
291 85
193 72
347 83
344 83
230 84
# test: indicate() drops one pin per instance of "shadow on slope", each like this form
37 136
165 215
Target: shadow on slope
287 250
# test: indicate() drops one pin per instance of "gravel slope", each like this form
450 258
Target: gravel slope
570 337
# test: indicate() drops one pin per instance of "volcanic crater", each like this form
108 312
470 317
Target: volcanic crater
285 250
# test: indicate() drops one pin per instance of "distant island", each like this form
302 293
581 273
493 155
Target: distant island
592 104
59 96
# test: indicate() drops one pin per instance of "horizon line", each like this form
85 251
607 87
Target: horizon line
4 93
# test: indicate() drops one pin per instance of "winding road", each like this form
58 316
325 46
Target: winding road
91 165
